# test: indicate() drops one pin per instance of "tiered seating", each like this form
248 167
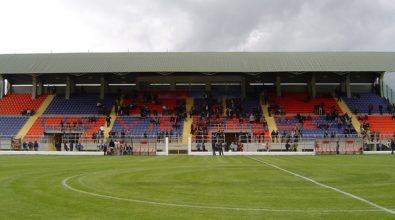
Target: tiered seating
381 123
364 100
14 104
137 126
215 94
38 128
77 105
295 103
309 127
229 124
226 94
168 98
250 105
10 126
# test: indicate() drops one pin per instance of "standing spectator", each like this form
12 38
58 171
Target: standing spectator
71 146
287 146
24 146
111 144
219 148
30 144
65 147
276 136
381 109
273 134
370 109
355 110
108 120
213 146
35 146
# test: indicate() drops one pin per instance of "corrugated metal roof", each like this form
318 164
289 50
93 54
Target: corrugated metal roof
197 62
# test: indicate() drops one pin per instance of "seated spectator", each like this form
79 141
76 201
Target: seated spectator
251 118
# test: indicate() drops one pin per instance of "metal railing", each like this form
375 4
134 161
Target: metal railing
67 129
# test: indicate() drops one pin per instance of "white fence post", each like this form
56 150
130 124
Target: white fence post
166 146
189 145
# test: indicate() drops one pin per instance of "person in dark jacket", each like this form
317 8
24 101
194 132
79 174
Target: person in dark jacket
35 146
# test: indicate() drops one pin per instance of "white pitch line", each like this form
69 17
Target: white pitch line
328 187
64 184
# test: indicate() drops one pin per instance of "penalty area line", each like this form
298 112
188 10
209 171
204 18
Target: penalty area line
326 186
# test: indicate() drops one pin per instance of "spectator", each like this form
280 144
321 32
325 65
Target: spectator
272 135
24 146
287 146
370 109
35 146
30 145
108 120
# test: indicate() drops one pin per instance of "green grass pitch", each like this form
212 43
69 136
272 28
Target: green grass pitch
188 187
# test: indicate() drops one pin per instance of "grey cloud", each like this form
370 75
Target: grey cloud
218 25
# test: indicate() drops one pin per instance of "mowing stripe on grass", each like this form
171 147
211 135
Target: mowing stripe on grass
326 186
67 186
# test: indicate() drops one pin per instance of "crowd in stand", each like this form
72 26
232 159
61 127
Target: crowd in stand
116 148
28 112
366 130
390 107
333 118
30 146
211 116
69 146
68 126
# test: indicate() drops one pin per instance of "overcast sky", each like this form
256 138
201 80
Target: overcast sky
196 25
44 26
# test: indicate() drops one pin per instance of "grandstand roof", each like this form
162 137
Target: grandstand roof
197 62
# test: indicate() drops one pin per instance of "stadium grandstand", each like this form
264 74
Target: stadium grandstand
190 102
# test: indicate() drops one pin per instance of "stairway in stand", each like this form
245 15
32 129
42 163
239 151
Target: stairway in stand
22 133
113 116
188 122
271 123
343 106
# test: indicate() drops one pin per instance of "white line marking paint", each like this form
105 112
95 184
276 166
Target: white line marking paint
328 187
67 186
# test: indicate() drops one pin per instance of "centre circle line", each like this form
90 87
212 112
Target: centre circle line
67 186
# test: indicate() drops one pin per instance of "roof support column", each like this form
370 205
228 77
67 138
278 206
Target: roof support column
1 86
34 86
102 86
208 86
68 87
348 87
313 88
381 84
278 85
172 86
243 87
40 87
138 86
